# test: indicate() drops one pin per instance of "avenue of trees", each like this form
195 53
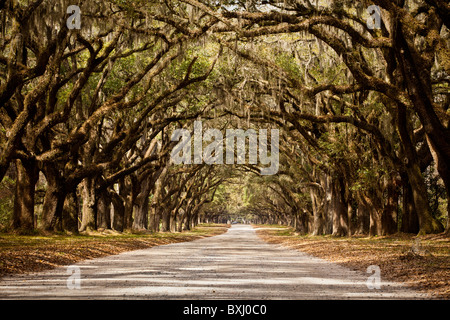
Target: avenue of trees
86 115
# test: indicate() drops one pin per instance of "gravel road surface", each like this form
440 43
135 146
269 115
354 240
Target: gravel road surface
234 265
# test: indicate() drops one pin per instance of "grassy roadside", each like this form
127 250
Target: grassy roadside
422 263
22 254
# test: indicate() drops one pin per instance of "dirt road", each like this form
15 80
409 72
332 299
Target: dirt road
234 265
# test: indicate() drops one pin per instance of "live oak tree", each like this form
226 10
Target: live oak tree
89 112
68 115
402 67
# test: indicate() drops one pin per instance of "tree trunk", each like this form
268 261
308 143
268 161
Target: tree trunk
350 215
173 221
194 214
53 209
375 220
23 214
89 212
70 213
128 191
180 220
118 212
195 220
318 219
362 216
339 209
427 224
443 168
157 220
185 217
155 211
104 210
388 223
141 208
140 221
153 221
327 206
302 223
417 78
410 220
187 222
52 212
165 221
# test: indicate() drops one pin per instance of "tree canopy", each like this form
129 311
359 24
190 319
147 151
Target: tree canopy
360 98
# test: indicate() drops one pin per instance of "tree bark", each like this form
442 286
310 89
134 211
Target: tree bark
328 205
388 223
443 168
118 212
427 223
158 205
417 76
174 217
339 209
128 192
141 208
185 218
318 219
151 183
89 210
23 214
104 210
52 212
70 213
410 220
140 221
165 221
362 216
